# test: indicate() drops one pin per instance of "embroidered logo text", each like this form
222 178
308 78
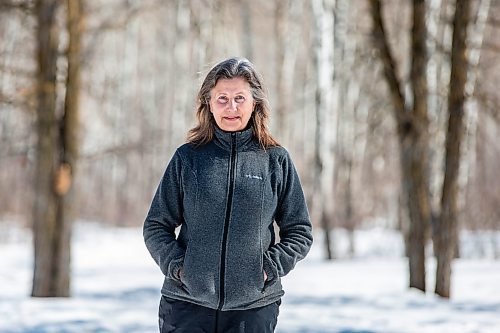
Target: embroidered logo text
253 177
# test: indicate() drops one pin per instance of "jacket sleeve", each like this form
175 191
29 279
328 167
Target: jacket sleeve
165 214
294 224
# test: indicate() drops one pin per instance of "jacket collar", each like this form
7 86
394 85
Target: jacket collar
242 139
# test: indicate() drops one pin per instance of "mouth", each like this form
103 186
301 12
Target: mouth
231 118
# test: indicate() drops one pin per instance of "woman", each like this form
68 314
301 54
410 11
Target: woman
225 188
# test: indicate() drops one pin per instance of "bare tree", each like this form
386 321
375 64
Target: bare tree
49 278
446 228
56 152
412 130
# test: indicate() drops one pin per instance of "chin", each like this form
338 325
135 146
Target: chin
232 128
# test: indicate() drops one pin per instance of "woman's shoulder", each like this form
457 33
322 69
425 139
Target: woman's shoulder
186 155
191 151
278 152
186 148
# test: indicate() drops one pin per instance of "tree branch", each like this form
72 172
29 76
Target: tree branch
26 6
389 64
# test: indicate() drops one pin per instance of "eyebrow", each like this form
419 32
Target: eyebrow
236 93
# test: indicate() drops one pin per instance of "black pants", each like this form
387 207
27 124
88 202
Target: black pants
184 317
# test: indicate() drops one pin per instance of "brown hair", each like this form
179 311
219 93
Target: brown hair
229 69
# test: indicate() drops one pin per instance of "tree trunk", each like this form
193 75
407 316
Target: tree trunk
347 105
49 278
349 211
419 195
70 135
57 152
439 65
287 33
323 157
446 233
468 158
412 129
415 195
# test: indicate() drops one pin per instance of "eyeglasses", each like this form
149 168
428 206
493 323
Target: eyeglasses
224 99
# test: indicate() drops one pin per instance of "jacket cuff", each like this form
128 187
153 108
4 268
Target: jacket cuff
174 268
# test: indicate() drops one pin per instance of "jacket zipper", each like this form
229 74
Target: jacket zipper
232 167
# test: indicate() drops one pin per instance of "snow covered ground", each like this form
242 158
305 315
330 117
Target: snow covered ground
116 289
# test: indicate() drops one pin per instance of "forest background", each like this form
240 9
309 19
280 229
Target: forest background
96 95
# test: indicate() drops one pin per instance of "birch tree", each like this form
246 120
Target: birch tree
468 158
323 157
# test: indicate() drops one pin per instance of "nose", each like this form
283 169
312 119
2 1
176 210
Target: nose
232 104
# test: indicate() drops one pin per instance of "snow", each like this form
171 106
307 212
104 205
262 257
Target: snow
116 288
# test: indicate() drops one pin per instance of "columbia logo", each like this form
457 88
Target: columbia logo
253 177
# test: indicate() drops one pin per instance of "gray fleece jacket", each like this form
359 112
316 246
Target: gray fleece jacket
225 196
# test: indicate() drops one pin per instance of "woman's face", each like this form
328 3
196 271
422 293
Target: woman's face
231 103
